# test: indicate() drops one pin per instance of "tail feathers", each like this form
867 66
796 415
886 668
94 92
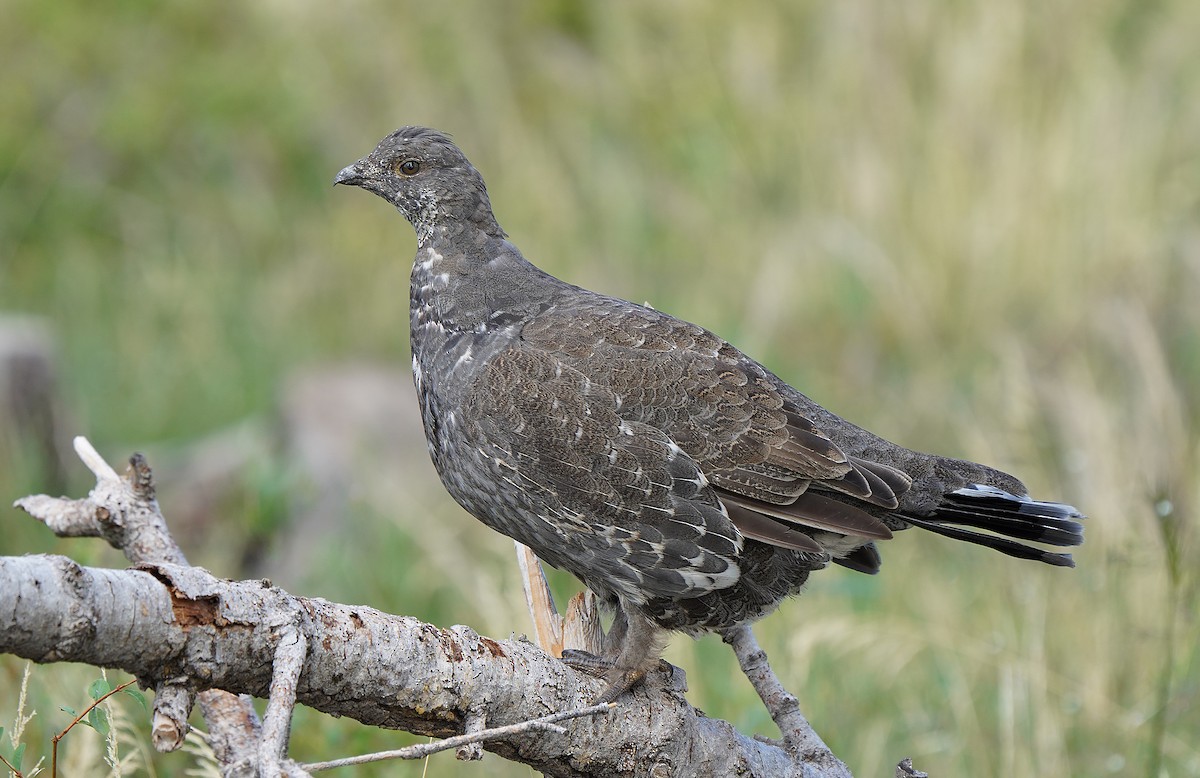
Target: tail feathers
1011 518
864 559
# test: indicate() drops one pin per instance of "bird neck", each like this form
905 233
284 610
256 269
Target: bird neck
467 278
462 215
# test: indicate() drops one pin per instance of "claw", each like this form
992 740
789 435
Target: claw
619 682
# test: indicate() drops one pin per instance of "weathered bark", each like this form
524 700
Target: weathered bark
171 624
183 631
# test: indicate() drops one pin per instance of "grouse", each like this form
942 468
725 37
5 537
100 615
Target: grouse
685 484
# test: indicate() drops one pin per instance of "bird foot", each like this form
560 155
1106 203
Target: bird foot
620 679
619 682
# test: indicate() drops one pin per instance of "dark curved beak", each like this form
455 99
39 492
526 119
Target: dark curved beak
353 175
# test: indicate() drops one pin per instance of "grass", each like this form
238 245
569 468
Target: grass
971 227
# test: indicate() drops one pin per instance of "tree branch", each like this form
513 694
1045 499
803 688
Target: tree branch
798 735
184 631
383 670
125 513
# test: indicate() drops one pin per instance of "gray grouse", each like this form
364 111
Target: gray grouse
685 484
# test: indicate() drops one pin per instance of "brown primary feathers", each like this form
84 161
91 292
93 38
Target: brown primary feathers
679 479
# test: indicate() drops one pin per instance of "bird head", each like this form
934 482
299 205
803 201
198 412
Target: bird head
427 178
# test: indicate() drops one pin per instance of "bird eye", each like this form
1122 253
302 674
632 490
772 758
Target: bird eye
408 167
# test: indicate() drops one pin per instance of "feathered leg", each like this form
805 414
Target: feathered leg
635 646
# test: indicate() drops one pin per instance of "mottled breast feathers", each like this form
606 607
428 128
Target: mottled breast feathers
619 493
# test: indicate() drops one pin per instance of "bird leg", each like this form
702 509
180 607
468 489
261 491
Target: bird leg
594 664
636 646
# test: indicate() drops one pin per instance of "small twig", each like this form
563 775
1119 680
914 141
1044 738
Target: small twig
54 740
547 624
15 772
288 663
798 735
172 704
421 750
476 721
87 452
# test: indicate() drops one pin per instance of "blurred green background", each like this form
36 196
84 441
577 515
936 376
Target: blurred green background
973 227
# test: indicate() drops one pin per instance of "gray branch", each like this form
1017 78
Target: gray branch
185 632
169 622
798 735
125 513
